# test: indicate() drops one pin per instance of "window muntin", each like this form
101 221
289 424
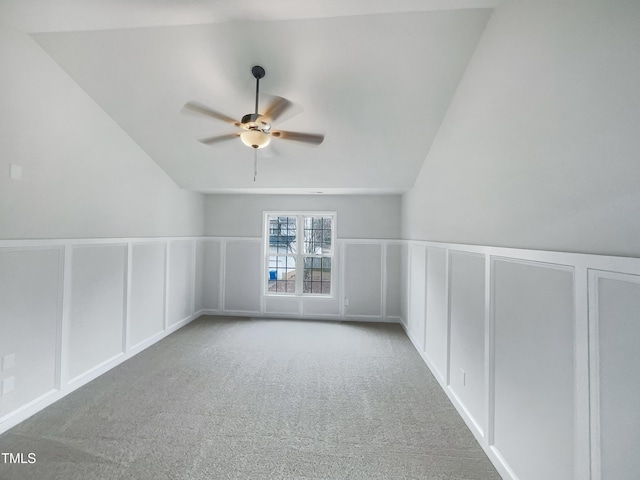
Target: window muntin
282 274
316 277
299 253
317 235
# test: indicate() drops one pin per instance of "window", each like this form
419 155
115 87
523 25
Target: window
299 253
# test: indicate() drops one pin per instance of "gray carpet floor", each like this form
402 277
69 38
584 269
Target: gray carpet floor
243 399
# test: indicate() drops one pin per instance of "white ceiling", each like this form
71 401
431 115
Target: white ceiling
376 77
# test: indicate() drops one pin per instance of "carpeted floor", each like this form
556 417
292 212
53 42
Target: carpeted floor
256 399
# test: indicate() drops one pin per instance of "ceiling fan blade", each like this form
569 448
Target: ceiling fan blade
277 107
200 109
313 138
218 138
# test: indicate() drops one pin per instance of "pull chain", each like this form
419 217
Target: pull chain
255 163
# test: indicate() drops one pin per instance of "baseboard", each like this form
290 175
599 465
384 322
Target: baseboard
334 318
496 459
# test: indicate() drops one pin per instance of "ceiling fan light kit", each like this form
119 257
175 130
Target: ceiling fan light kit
255 138
255 128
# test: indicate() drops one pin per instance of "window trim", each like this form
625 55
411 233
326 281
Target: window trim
299 214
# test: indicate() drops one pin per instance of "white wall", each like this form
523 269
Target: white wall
82 175
71 309
537 350
359 216
540 145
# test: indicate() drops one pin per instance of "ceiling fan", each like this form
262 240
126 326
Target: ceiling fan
254 129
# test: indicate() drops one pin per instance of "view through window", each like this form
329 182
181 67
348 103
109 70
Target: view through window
299 252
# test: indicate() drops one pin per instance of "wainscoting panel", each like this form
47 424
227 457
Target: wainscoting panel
363 280
548 342
616 316
147 292
30 311
436 343
417 272
559 340
198 283
393 290
180 289
366 272
405 284
322 307
286 306
72 309
533 318
96 319
243 276
467 319
211 273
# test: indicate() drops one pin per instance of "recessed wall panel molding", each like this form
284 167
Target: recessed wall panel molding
467 326
287 306
147 291
322 307
393 281
198 282
211 265
363 280
30 311
242 276
615 312
417 288
436 335
96 318
405 284
534 377
181 281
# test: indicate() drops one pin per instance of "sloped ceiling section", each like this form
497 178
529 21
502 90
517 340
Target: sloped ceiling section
376 85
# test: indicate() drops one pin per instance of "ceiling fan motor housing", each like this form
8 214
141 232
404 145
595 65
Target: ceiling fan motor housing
255 121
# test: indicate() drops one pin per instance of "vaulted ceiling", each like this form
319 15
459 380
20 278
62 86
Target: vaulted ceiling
376 77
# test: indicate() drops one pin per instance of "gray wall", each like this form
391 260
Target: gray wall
359 216
82 175
540 145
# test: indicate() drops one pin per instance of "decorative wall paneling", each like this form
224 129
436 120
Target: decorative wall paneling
614 310
362 271
537 350
366 282
71 310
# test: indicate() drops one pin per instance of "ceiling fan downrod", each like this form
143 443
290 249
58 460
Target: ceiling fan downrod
258 73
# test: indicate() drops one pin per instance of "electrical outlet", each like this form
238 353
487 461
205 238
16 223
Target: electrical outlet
346 301
8 362
464 378
8 384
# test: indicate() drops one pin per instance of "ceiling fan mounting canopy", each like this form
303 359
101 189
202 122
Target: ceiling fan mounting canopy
258 72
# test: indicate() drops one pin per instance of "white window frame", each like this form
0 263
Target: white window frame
299 255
